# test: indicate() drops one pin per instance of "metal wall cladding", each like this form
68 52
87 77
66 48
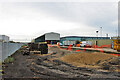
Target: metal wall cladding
7 49
101 42
4 38
0 51
52 36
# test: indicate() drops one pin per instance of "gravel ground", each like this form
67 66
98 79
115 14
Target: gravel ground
49 66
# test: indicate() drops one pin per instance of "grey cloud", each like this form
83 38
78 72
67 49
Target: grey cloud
95 14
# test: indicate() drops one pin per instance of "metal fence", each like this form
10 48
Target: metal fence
7 49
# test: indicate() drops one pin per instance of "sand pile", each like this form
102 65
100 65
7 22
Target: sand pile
86 59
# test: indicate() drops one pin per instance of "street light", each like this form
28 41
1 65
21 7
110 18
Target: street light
107 35
101 31
97 33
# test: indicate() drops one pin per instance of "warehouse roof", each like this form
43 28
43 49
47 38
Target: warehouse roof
51 33
82 37
47 33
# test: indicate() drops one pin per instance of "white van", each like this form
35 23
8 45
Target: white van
86 43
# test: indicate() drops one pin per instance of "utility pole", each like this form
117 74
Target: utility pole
107 35
97 33
101 31
116 33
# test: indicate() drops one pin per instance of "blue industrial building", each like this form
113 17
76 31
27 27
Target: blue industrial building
80 38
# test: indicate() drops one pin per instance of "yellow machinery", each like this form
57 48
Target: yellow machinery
116 43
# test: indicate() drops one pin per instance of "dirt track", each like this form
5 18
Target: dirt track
50 66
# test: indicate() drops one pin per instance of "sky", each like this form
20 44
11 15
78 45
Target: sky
26 20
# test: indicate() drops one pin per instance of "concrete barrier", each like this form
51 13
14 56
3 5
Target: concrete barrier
7 49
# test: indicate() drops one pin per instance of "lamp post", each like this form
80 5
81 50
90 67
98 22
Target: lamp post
97 33
116 33
101 31
107 35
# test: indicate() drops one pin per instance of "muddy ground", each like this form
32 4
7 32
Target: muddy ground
51 66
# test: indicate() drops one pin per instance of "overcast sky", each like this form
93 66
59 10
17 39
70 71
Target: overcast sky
23 21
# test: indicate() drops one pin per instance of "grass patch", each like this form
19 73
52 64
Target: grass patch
9 59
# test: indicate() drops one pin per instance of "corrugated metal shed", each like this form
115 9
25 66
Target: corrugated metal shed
48 37
52 36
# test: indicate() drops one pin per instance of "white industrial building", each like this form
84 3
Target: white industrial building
4 38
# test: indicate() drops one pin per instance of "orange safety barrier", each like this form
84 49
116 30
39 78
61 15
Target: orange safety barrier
107 46
77 50
69 47
58 44
115 54
59 47
77 45
101 51
51 43
95 47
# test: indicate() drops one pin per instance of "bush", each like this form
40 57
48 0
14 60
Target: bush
9 60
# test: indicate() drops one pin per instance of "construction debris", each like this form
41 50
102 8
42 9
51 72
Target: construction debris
60 63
